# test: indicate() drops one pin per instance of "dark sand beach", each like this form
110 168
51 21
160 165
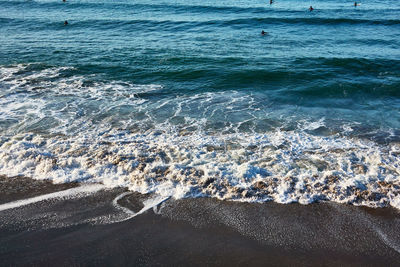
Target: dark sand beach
84 230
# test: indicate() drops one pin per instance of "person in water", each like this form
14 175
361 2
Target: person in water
271 2
311 8
263 32
65 22
355 4
64 1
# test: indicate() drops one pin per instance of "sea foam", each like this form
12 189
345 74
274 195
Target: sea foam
281 166
70 128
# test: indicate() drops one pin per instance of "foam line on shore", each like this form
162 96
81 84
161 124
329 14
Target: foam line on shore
117 206
148 204
69 193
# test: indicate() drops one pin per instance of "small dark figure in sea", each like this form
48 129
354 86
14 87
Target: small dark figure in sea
355 4
64 1
263 32
311 8
66 23
271 2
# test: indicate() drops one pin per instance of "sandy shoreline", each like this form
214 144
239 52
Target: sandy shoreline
91 230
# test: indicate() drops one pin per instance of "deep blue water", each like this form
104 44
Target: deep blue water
188 75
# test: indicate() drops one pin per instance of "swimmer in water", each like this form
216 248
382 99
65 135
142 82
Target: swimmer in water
355 4
311 8
64 1
263 32
271 2
66 23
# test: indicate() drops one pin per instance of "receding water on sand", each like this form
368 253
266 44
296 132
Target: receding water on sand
119 227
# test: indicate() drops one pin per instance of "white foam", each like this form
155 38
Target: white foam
83 190
149 203
290 164
38 98
119 207
105 132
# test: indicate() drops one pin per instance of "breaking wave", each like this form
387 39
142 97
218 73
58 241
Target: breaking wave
64 127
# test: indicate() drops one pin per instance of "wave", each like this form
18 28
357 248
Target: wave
281 166
68 127
322 78
179 8
163 25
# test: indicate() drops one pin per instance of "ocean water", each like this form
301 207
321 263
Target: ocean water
187 99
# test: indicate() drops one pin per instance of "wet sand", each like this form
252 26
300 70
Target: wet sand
98 229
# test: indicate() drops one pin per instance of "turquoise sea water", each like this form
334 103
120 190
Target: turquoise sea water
187 98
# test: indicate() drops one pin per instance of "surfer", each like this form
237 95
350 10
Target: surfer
311 8
66 23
